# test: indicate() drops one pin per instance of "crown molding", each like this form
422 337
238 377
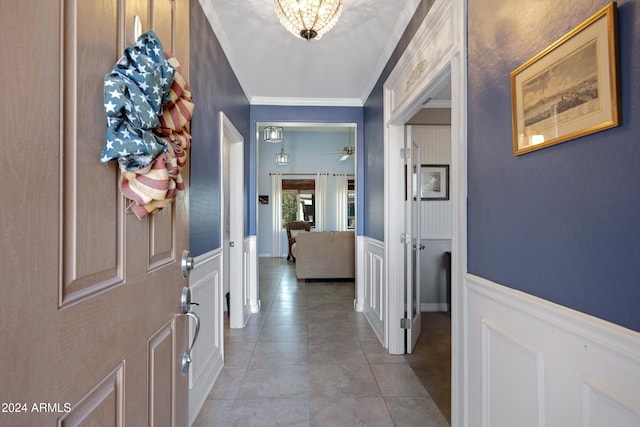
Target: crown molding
307 102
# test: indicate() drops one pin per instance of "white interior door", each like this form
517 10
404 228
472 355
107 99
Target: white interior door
233 220
412 282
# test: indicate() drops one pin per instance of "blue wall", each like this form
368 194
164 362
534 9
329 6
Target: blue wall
561 223
266 113
374 134
215 88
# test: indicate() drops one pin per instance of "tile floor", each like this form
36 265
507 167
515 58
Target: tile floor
431 359
308 359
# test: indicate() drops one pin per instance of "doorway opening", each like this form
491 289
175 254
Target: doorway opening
429 219
235 276
404 96
317 185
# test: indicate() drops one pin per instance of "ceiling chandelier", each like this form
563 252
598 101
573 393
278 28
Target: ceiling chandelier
282 158
273 134
308 18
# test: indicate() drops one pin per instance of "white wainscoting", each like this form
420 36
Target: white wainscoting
375 289
250 250
205 282
535 363
358 303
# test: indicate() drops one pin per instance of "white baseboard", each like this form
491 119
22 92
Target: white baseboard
433 306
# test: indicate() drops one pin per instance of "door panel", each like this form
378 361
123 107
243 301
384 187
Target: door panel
161 360
161 231
163 22
88 192
102 406
89 321
139 8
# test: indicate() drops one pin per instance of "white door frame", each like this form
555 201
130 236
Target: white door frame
437 50
240 307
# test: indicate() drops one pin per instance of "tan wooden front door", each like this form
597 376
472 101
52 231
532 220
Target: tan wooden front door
90 330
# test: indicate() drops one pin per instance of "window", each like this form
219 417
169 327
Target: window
298 200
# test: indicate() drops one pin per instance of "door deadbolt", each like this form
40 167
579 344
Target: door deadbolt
187 263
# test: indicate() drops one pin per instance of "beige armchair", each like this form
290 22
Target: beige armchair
293 228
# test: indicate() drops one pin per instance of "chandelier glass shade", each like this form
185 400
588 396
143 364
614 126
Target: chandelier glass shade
282 158
273 134
308 18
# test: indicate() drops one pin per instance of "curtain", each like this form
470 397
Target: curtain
276 215
321 202
342 198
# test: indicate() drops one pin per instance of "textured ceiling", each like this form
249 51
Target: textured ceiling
276 68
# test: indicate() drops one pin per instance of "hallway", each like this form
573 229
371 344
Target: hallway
308 359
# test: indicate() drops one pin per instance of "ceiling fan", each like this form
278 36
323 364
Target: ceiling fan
347 152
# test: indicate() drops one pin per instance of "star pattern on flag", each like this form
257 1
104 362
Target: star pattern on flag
148 107
134 94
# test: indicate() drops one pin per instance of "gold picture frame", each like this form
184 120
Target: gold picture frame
570 89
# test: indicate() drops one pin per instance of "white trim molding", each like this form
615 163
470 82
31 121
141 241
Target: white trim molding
251 271
536 363
307 102
358 303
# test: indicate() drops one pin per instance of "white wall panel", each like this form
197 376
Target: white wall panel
508 360
435 148
375 290
603 407
205 282
251 272
542 364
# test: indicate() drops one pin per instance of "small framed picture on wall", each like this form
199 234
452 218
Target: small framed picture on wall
434 182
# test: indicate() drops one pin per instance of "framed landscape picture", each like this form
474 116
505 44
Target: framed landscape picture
570 89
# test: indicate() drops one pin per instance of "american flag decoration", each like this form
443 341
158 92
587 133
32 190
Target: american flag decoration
149 106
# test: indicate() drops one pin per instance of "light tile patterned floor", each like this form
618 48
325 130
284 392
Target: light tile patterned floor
308 359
